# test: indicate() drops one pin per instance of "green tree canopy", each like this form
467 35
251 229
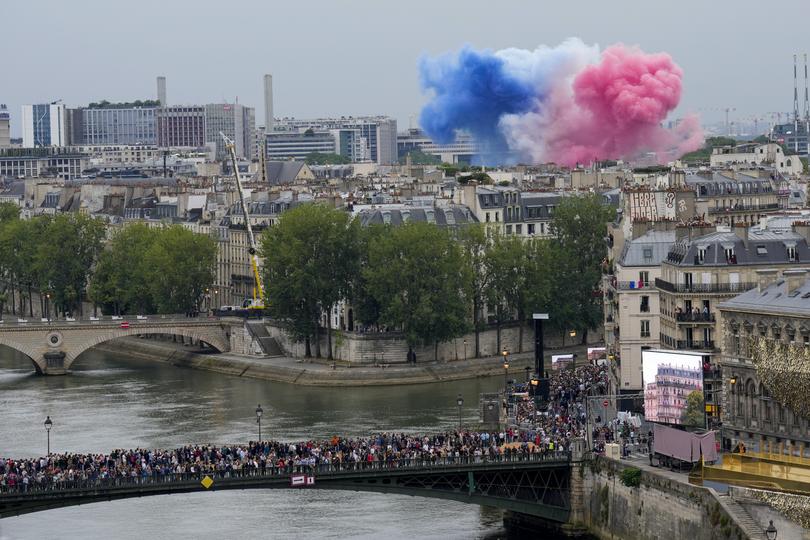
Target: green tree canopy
154 270
694 413
419 158
416 273
579 228
310 257
318 158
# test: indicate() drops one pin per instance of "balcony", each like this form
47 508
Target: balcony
694 345
632 285
743 208
704 288
690 317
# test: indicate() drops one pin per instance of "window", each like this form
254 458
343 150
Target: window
519 229
791 253
530 228
645 328
762 251
644 277
645 304
730 257
701 255
648 253
508 229
542 228
487 218
496 217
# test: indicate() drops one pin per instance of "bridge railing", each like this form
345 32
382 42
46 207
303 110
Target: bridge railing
50 484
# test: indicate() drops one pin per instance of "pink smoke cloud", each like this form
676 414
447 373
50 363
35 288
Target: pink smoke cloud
609 110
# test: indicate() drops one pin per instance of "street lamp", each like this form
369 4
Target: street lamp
771 531
528 376
505 354
259 412
48 425
465 350
460 403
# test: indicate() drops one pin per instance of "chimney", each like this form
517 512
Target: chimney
161 91
802 228
741 230
681 232
794 279
640 228
696 231
765 278
268 103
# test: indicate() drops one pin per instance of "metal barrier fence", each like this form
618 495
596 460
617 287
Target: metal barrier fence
49 484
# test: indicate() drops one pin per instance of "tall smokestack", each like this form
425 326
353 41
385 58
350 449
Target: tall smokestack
161 91
795 92
268 103
806 95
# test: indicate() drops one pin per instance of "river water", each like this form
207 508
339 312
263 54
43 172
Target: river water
119 402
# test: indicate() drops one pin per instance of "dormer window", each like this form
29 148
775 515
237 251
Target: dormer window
791 254
731 258
701 255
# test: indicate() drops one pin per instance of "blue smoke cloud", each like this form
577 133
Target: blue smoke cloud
472 91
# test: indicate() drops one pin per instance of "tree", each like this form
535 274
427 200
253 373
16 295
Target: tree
181 267
65 255
419 158
121 281
8 212
416 273
366 308
310 256
474 243
579 227
151 270
507 266
694 413
318 158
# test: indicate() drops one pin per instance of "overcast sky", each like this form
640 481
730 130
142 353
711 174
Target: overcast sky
342 57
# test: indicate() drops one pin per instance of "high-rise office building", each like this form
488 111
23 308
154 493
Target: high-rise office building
236 122
118 123
45 124
5 127
268 103
181 126
378 133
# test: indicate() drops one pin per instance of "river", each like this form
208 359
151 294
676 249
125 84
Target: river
112 401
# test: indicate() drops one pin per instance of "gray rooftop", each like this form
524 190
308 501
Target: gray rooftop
648 249
450 216
775 298
766 247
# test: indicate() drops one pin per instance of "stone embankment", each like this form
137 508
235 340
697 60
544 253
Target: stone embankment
296 371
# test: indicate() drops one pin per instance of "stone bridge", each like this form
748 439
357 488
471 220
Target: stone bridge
541 486
53 346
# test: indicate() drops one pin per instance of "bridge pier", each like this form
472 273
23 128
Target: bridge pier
53 363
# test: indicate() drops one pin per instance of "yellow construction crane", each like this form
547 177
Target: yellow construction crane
258 290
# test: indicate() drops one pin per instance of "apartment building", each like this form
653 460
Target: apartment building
181 126
763 418
706 267
732 197
632 302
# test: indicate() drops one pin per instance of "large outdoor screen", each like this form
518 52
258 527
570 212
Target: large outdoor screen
673 387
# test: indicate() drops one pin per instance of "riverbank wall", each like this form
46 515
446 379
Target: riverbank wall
391 347
290 370
660 507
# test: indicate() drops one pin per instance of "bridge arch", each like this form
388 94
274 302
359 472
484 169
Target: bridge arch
214 336
21 347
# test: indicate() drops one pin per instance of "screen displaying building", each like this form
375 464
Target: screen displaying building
669 377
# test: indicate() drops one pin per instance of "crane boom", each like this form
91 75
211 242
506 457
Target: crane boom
258 290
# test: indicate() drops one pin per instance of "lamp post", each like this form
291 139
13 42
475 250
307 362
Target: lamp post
259 412
528 374
465 350
505 354
48 425
771 531
460 403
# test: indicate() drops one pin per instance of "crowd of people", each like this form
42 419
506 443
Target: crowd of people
385 450
563 418
536 432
